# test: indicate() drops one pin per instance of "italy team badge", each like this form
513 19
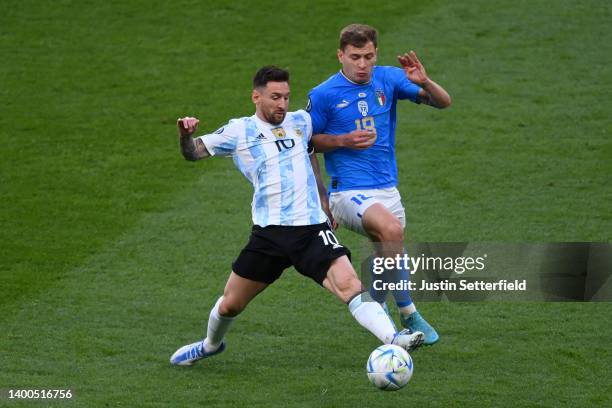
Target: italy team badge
380 96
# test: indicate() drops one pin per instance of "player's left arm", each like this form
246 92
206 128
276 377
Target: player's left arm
434 95
321 187
430 93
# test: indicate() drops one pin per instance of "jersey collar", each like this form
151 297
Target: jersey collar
355 83
268 124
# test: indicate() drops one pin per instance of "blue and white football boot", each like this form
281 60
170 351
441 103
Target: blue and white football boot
408 340
415 322
189 354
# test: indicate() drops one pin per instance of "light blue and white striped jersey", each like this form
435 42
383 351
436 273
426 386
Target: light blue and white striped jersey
274 158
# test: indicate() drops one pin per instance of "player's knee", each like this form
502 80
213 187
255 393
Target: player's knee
392 232
230 306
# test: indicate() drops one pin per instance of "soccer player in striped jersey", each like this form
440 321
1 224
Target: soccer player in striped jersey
271 148
354 120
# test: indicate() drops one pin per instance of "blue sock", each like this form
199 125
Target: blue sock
402 297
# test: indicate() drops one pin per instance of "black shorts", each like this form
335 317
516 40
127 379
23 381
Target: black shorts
272 249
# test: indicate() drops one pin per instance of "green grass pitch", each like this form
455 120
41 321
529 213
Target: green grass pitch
113 248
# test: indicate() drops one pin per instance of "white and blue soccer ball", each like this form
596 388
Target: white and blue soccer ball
389 367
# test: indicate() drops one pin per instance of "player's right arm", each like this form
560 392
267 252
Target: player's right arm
319 108
357 139
192 149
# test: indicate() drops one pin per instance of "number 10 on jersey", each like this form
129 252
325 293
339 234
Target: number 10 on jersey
366 123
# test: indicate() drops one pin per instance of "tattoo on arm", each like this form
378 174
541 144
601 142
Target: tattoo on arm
427 99
434 96
193 149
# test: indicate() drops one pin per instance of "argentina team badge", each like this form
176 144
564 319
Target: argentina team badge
278 132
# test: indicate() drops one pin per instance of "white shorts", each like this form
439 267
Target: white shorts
348 207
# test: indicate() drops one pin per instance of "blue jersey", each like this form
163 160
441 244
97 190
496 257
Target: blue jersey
339 106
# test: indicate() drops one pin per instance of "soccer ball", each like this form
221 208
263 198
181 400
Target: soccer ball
389 367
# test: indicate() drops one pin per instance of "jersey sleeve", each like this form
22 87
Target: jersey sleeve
406 89
308 119
318 111
223 141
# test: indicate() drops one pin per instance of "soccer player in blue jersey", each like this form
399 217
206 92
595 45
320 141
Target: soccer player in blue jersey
354 120
271 148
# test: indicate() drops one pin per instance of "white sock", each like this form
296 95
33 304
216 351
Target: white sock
217 327
407 310
372 316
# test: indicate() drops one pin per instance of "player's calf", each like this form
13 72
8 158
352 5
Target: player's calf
341 279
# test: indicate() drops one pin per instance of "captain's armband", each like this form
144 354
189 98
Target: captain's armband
310 149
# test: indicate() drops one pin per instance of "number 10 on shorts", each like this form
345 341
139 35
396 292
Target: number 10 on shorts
329 238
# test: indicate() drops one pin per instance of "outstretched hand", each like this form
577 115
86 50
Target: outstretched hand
415 71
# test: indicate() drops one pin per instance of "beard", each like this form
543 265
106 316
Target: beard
273 117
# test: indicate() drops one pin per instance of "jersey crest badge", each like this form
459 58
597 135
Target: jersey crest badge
363 107
279 132
380 97
298 131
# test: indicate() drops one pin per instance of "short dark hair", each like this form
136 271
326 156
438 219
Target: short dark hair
358 35
269 73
